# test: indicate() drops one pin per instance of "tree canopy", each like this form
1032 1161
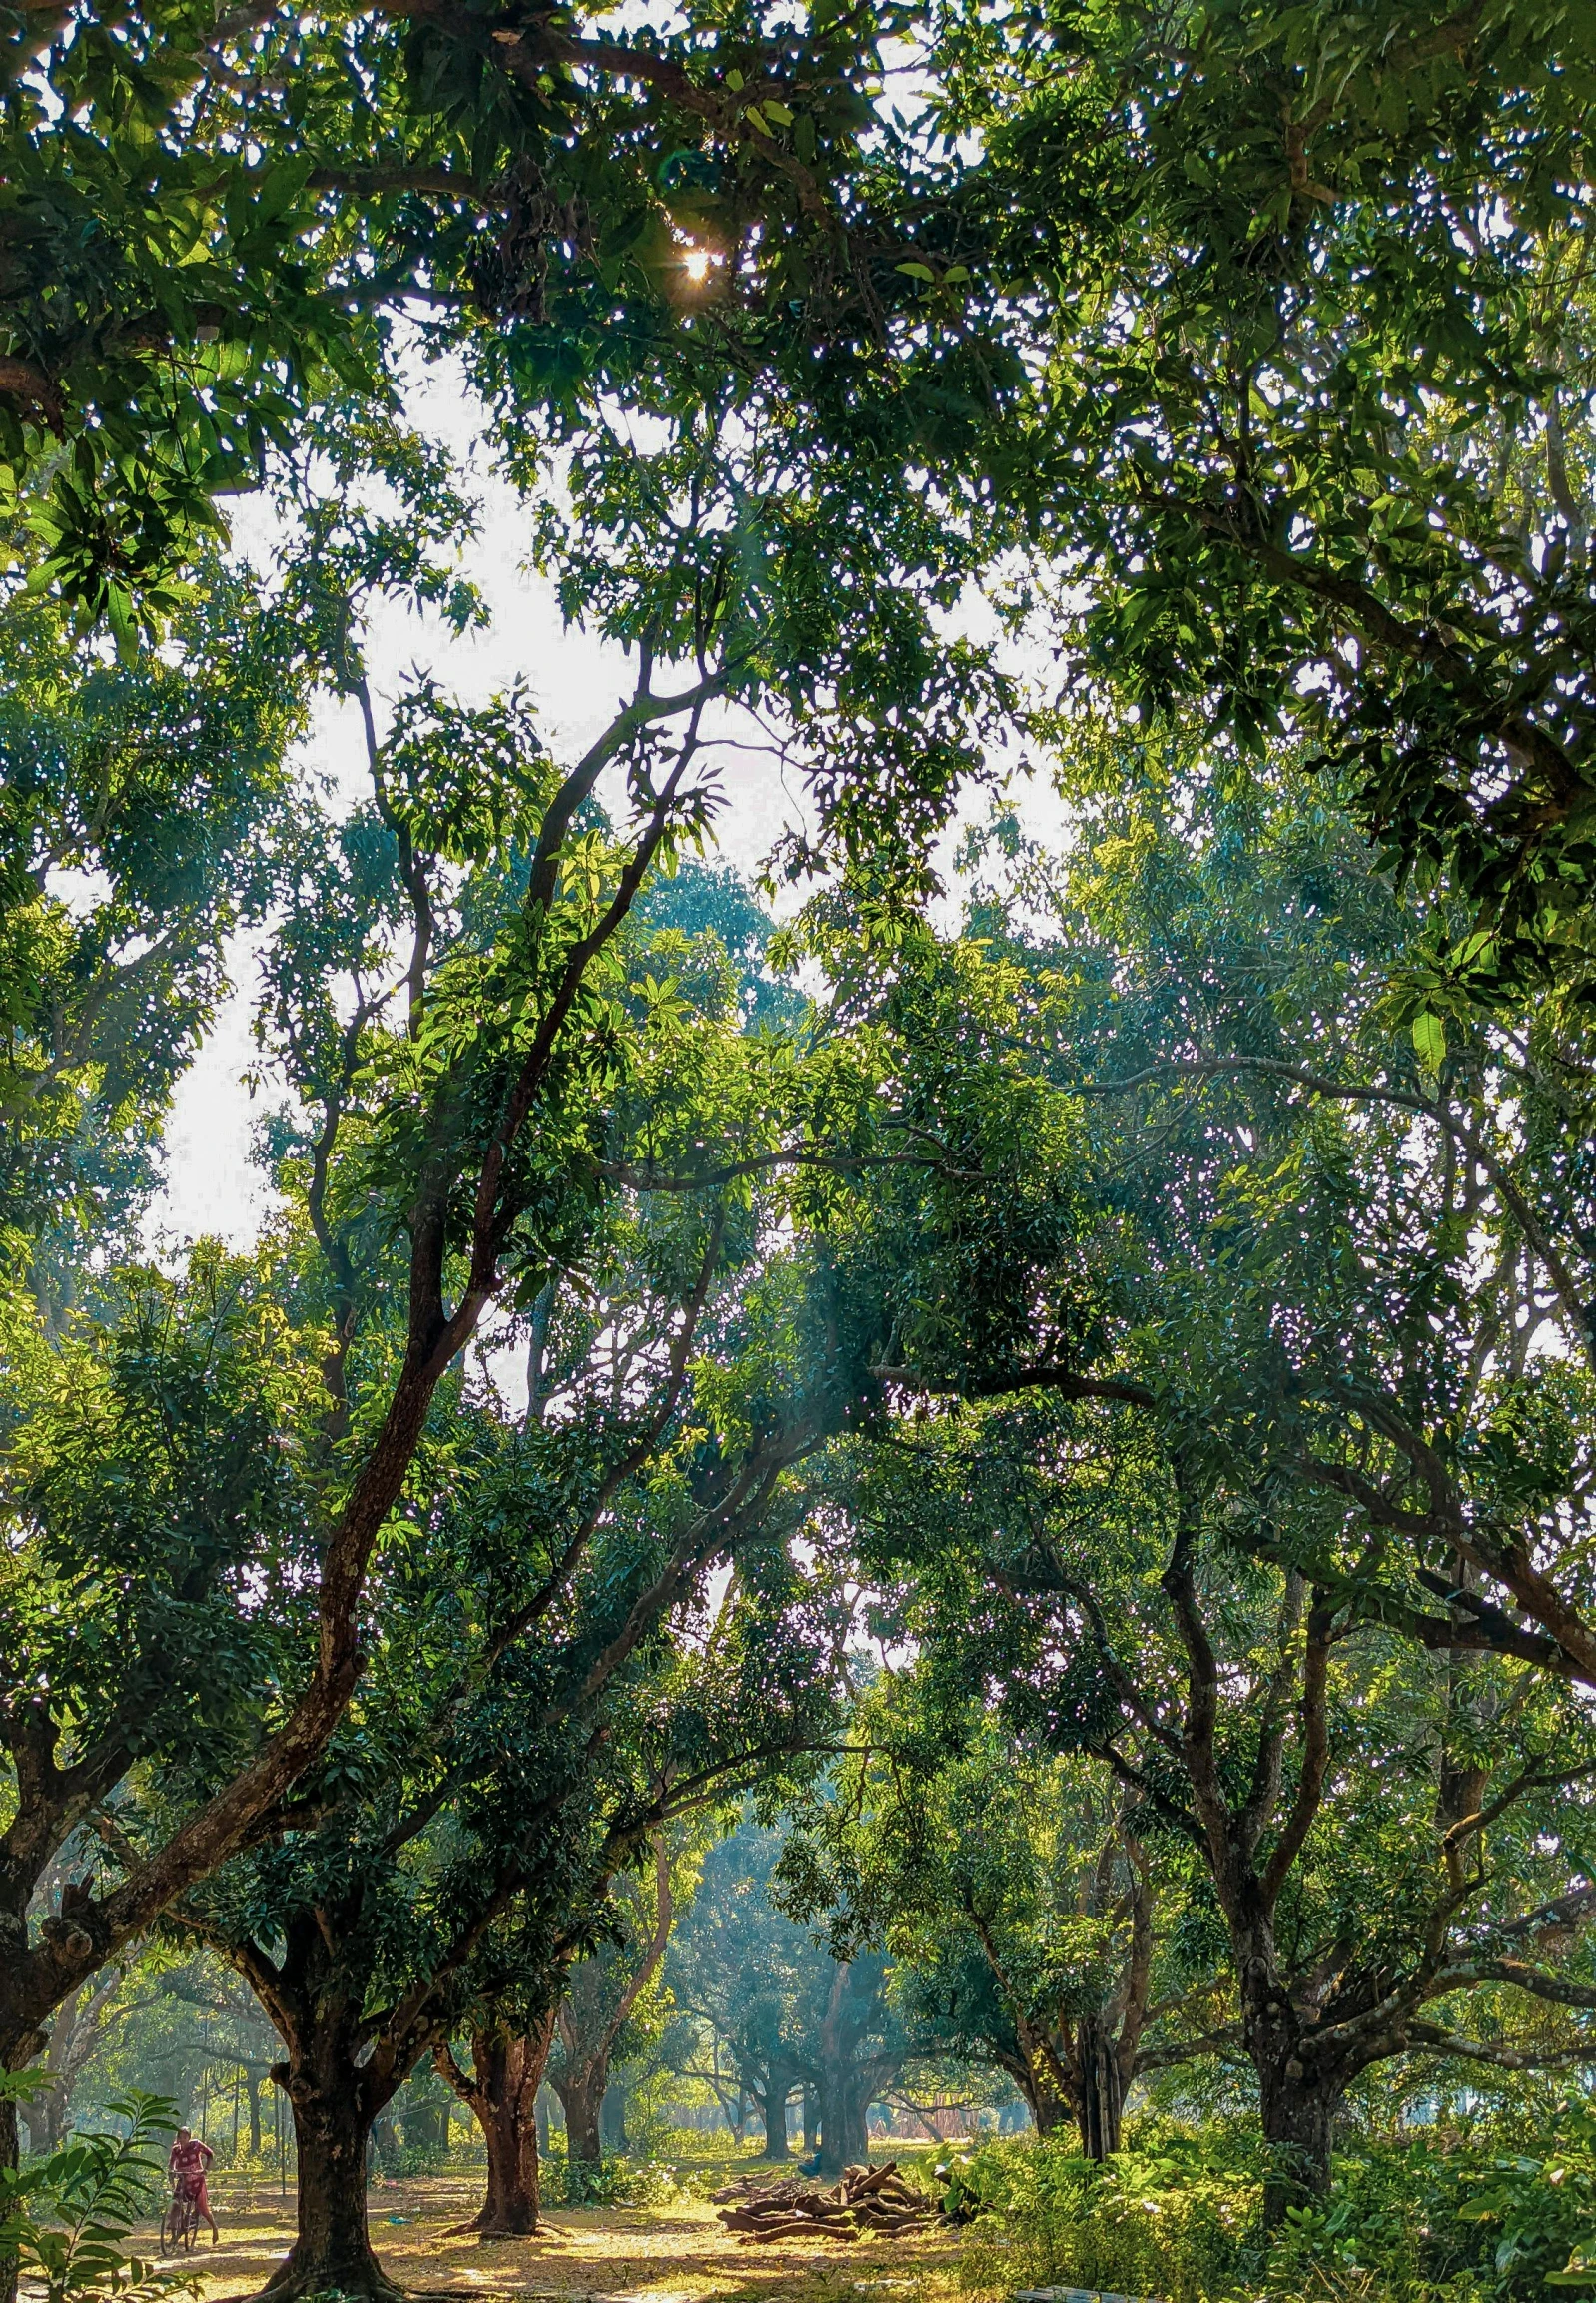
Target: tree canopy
972 1456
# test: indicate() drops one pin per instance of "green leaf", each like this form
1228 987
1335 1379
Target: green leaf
1429 1039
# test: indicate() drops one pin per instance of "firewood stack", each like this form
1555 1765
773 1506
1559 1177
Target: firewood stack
867 2201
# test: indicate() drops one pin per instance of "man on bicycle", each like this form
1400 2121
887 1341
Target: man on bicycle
186 2166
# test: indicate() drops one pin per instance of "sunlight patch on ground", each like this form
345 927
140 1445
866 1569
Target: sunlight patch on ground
675 2254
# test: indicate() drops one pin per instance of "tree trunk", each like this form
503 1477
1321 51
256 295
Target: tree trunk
331 2125
844 2134
582 2094
811 2120
1049 2111
612 2117
509 2069
780 2080
46 2120
844 2131
1097 2113
8 2160
252 2080
1298 2110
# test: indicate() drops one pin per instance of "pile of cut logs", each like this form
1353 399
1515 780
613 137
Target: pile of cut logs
868 2200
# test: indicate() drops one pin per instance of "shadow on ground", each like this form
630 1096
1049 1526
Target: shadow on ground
675 2254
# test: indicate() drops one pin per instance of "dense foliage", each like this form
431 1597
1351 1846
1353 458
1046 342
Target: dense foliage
991 1485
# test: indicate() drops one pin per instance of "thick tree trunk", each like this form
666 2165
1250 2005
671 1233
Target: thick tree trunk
1040 2080
331 2126
509 2072
1299 2112
1043 2072
1099 2110
46 2122
811 2101
780 2080
582 2094
844 2104
8 2160
844 2128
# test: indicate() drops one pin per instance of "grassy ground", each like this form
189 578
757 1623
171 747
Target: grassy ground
671 2254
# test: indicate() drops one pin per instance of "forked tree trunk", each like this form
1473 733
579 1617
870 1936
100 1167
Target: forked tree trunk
507 2071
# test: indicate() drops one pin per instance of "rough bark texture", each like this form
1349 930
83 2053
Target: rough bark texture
333 2247
339 2081
1102 2095
8 2158
507 2071
844 2129
1298 2112
1049 2111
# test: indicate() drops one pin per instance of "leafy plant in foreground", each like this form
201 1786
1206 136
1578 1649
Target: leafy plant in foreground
65 2220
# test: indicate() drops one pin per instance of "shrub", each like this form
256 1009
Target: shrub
616 2182
1487 2213
1171 2216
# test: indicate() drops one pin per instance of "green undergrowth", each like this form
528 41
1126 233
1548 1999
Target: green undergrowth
619 2181
1491 2212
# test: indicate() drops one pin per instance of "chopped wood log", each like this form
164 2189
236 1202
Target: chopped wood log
796 2227
873 2201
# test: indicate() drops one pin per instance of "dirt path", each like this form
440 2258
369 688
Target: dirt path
673 2254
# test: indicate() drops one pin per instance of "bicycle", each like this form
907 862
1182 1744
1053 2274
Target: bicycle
180 2224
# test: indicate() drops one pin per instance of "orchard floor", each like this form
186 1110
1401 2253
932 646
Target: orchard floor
675 2254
